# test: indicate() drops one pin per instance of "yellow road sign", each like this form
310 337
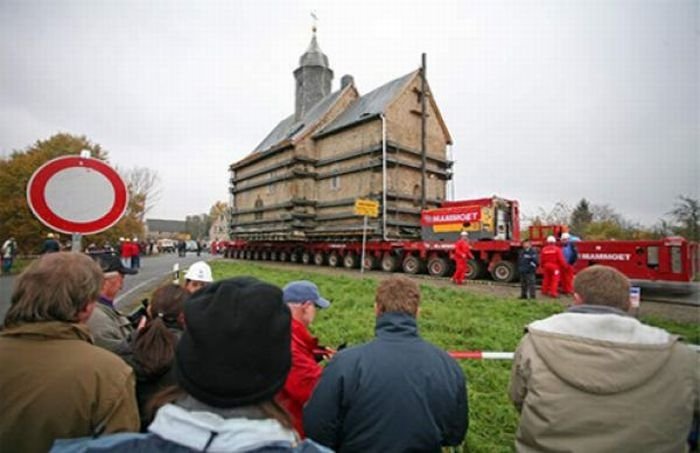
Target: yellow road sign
369 208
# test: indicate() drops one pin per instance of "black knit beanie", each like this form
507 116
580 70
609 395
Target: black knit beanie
235 350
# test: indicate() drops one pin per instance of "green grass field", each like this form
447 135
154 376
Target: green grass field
451 319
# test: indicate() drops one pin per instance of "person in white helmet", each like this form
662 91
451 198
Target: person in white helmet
197 276
570 256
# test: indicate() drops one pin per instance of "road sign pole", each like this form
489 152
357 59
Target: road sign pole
76 240
364 244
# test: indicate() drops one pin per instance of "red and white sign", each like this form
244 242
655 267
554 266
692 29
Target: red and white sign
460 215
73 194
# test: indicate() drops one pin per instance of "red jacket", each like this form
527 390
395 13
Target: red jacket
303 376
462 250
551 256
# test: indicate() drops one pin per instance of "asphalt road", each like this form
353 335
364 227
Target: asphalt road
154 270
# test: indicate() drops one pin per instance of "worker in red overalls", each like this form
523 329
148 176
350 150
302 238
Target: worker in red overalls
461 254
552 261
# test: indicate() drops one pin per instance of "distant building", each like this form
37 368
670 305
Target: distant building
303 179
219 228
164 229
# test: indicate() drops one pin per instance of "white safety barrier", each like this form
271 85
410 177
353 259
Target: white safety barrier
481 355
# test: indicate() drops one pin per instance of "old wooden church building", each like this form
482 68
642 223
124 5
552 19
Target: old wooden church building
302 180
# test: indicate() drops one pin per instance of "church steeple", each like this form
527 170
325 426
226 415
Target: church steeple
313 78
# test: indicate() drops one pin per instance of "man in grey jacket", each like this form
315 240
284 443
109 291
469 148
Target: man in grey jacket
595 379
110 329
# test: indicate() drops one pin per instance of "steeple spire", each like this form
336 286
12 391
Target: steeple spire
313 76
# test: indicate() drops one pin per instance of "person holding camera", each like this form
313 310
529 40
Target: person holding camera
110 328
303 299
152 351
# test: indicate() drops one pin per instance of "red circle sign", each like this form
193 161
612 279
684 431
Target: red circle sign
73 194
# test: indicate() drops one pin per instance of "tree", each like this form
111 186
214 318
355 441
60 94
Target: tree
197 226
144 185
686 212
581 217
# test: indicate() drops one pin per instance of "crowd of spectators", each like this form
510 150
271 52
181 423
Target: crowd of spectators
232 365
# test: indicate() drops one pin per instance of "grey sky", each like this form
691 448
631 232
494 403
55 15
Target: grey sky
546 100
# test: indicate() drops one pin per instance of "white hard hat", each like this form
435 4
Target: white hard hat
200 272
121 239
551 239
565 236
464 233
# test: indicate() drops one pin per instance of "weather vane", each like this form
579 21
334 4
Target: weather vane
315 18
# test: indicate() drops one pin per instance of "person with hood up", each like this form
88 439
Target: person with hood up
552 260
231 361
594 379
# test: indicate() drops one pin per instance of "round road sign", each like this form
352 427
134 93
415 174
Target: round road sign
74 194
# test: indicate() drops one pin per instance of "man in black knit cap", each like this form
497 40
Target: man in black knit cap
232 359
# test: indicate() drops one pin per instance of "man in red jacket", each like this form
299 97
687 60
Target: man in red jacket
552 261
462 253
302 298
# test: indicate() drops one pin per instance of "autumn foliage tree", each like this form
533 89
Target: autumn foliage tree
16 218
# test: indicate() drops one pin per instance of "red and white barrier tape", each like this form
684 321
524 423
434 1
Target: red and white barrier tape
488 355
481 355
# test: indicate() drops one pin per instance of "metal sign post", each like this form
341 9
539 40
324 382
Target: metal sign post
366 208
76 245
364 245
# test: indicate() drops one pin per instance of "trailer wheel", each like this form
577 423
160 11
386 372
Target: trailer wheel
256 255
350 260
273 256
390 263
294 257
475 269
438 266
371 262
504 271
264 255
284 256
305 257
319 258
333 260
412 264
247 254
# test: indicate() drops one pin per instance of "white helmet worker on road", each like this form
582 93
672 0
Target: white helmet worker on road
565 236
551 239
197 276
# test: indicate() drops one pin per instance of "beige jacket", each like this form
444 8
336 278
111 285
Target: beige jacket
603 383
110 329
55 384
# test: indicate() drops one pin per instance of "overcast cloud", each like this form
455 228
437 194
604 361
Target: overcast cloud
546 100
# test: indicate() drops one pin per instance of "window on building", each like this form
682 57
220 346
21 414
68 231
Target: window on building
259 205
417 195
335 180
270 185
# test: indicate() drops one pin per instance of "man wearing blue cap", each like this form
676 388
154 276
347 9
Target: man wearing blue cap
302 298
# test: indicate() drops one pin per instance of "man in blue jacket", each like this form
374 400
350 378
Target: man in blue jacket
395 393
527 265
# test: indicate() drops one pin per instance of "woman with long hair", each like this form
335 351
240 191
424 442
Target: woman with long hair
152 350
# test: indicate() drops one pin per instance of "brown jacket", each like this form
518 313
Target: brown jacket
602 383
55 384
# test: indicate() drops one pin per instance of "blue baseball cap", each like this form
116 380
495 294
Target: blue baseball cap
302 290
